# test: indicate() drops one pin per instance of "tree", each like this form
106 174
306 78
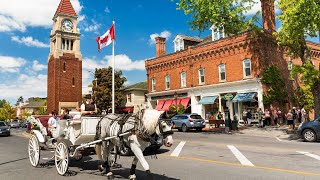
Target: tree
102 90
7 112
2 103
299 18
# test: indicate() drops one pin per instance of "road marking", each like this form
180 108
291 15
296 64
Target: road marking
310 155
51 151
278 139
45 158
178 149
240 165
243 160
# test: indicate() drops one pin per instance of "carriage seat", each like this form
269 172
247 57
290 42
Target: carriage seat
61 128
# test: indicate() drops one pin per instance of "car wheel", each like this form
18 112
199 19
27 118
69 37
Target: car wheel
309 135
184 128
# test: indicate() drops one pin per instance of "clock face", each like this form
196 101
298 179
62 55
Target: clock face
67 25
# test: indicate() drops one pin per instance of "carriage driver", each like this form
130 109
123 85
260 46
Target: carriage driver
88 107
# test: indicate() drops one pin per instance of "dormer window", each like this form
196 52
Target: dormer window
178 44
217 32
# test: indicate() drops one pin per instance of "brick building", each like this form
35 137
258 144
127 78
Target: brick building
218 72
65 60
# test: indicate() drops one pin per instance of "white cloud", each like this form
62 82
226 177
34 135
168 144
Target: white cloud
26 86
29 41
18 14
164 34
257 7
92 28
11 64
122 62
107 10
36 66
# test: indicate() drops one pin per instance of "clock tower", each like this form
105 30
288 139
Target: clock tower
65 60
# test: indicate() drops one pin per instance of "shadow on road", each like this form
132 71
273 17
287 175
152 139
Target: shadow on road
13 161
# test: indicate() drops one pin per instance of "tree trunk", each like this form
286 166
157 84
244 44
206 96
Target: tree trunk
316 97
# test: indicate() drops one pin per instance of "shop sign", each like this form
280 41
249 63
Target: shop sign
228 97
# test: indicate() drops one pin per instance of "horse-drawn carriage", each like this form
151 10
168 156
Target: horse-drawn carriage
76 138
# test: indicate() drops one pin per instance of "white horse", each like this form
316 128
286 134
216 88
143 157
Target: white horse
142 131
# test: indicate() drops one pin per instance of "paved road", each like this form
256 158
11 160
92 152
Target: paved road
194 156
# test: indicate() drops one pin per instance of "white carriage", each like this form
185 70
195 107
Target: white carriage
73 139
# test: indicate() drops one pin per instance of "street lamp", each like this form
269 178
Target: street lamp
95 79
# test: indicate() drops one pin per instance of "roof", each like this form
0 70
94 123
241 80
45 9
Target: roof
33 104
205 40
190 38
137 86
65 7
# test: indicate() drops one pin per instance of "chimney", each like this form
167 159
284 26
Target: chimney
268 15
160 46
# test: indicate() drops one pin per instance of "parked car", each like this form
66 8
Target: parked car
184 122
4 129
15 124
25 124
310 131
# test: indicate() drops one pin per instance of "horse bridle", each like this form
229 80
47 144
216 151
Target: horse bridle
164 134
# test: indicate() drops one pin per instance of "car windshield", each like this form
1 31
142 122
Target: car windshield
2 124
195 116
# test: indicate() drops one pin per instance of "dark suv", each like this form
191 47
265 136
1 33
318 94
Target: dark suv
310 131
4 129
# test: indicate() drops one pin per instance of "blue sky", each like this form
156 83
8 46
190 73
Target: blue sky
24 39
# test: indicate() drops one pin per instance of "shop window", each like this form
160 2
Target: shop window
222 72
129 97
183 79
246 68
153 84
167 78
201 75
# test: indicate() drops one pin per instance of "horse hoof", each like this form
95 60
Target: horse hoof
101 168
110 176
133 177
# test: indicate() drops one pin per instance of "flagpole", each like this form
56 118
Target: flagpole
113 67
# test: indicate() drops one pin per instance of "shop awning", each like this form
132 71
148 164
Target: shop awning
166 105
176 101
185 102
159 105
128 109
244 97
208 100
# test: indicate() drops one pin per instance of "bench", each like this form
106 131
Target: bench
217 123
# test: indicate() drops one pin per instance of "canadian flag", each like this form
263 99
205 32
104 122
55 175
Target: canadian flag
106 39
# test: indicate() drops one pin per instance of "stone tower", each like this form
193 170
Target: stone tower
65 60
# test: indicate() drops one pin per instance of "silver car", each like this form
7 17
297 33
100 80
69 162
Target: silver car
184 122
4 129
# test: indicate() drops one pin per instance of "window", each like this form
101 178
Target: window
73 82
153 83
247 68
201 76
64 66
183 79
62 44
222 72
67 44
71 46
129 97
178 44
167 78
217 33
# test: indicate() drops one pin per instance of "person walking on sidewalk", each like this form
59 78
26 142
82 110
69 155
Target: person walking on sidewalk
260 113
267 117
244 117
289 117
249 117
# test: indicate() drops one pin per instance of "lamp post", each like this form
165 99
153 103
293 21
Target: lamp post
95 79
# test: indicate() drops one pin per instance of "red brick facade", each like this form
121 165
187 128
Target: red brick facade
64 80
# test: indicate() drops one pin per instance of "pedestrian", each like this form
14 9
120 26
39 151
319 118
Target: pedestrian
260 113
289 117
66 114
278 114
304 115
244 117
299 114
219 117
249 117
267 117
294 115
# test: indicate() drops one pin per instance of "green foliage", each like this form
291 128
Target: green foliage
7 112
2 103
42 111
309 77
176 109
102 90
228 13
276 92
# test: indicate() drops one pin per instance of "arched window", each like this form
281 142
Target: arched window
183 78
222 72
246 68
201 75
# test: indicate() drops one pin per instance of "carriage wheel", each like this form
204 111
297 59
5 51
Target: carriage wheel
34 150
112 157
61 158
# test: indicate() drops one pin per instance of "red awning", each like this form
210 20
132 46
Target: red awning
176 102
128 109
166 105
185 102
159 105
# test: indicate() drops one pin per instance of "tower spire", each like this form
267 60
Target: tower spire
65 7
